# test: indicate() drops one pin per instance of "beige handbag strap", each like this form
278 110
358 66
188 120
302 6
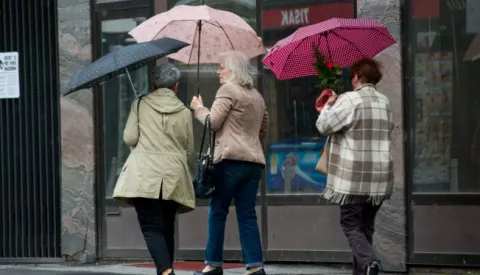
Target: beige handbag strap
326 143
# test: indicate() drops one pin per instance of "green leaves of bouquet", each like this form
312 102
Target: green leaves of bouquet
329 74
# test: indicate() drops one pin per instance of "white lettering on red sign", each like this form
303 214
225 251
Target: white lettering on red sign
295 17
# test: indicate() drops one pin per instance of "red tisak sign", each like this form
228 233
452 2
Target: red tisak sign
280 18
295 17
424 9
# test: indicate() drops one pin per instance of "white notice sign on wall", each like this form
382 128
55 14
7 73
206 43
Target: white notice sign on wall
9 75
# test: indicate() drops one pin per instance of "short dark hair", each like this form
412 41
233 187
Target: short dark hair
367 70
165 76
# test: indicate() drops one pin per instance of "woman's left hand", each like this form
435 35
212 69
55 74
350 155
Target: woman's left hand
331 100
196 102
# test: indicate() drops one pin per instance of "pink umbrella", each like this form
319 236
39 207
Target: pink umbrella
208 31
341 41
214 30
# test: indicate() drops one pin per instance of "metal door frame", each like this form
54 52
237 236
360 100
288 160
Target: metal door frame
119 9
433 199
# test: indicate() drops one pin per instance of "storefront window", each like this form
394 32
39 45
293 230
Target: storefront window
445 101
294 143
117 96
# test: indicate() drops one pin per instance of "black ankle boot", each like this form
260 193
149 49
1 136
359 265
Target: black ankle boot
216 271
374 268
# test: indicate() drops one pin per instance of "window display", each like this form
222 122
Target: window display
444 100
294 142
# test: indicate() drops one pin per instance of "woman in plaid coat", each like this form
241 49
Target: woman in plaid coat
360 171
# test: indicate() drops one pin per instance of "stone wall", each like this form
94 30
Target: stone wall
78 167
390 235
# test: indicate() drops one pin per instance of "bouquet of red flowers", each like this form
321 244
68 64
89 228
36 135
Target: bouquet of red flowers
329 77
329 74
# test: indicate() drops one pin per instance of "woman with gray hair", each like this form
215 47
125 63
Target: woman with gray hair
156 178
240 120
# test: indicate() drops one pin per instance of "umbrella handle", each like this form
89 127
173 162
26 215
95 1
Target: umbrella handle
198 56
131 83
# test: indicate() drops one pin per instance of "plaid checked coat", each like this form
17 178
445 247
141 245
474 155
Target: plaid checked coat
359 124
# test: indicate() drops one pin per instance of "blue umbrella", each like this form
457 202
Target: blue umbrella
122 61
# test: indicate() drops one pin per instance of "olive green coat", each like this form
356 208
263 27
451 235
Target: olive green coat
162 137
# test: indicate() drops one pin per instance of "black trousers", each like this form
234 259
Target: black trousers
157 222
358 222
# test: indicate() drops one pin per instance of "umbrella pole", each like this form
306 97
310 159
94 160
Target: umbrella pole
198 56
131 83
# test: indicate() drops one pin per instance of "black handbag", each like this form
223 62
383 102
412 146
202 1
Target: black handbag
203 183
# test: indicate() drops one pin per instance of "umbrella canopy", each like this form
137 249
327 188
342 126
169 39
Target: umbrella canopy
341 41
209 32
473 52
125 59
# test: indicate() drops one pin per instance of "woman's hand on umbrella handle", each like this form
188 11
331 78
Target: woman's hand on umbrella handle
196 102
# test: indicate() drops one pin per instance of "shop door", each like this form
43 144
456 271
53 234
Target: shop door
119 234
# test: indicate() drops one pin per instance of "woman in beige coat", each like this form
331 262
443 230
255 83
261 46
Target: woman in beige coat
155 177
240 120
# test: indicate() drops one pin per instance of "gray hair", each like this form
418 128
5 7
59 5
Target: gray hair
165 76
239 65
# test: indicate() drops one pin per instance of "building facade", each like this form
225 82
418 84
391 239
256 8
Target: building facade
428 77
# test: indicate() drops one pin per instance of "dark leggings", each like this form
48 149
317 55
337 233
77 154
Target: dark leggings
358 221
157 222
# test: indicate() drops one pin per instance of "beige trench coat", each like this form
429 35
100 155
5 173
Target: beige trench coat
240 119
163 139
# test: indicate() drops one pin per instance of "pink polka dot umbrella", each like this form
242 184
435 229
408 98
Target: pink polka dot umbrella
342 41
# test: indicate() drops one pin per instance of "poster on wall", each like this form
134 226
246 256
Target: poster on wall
9 75
433 101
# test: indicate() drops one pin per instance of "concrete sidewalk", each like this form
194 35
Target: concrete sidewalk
114 269
111 269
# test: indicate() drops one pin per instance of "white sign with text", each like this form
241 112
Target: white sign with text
9 75
294 17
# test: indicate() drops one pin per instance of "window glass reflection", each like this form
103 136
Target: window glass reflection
294 142
117 96
446 120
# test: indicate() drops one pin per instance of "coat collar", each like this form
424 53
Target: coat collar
365 85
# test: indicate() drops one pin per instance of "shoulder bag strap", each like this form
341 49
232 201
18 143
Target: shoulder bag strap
138 113
202 144
212 140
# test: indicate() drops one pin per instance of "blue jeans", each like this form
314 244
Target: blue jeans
235 180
